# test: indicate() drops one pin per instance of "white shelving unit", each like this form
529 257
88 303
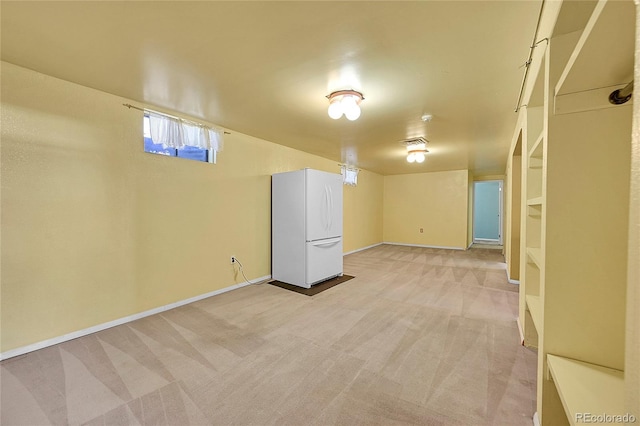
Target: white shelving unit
574 217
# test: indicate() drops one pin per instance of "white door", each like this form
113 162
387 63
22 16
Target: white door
487 212
323 205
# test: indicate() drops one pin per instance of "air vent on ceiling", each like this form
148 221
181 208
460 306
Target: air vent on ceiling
415 141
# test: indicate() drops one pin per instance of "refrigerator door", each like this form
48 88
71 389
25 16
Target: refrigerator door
324 260
323 205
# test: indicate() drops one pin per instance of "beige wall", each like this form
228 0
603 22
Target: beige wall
488 177
94 229
436 202
363 212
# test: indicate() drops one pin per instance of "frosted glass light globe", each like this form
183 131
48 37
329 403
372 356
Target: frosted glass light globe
352 113
411 157
350 107
335 109
420 157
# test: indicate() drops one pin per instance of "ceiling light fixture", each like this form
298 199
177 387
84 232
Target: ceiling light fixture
416 150
345 102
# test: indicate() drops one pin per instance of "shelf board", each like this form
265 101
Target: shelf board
587 388
604 54
535 163
535 254
535 308
537 201
587 100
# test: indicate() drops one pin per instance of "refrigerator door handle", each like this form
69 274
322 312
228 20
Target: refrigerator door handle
329 242
330 208
327 199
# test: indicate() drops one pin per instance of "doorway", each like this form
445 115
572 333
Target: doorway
487 212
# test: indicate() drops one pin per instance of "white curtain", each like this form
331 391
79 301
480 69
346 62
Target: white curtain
349 175
176 133
166 130
216 139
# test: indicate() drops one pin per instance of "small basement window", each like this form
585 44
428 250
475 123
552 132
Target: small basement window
175 133
349 175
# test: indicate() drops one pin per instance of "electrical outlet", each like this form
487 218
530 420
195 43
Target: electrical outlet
233 259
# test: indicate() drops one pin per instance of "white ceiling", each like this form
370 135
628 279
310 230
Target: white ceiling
264 69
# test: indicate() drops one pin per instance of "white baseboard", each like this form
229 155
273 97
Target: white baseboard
361 249
425 246
74 335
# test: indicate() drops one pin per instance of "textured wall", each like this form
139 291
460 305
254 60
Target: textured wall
436 202
363 212
94 229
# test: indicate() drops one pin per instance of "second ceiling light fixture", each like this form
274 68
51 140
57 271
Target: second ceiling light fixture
345 102
416 149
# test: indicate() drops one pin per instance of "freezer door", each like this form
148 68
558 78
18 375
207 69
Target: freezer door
324 260
323 205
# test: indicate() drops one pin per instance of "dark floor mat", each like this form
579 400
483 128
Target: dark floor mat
316 288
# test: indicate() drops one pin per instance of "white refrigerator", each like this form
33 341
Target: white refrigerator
306 227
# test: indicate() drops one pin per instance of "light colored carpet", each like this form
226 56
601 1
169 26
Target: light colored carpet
420 336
